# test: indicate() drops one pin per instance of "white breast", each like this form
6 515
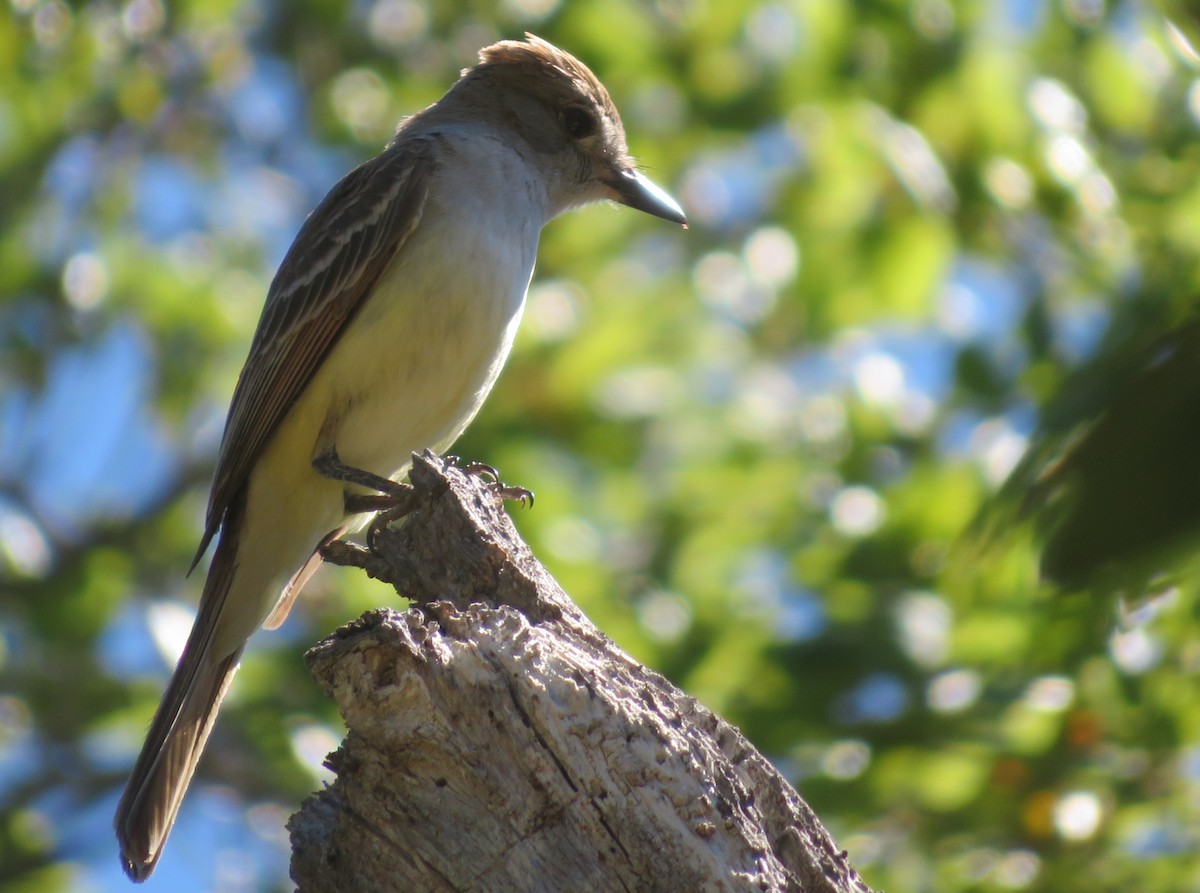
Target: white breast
415 365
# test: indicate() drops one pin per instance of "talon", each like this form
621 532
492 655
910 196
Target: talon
383 519
513 494
378 523
482 470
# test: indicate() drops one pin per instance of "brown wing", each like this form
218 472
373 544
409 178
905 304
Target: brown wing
339 254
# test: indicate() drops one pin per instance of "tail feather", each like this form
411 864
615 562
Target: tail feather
164 770
184 719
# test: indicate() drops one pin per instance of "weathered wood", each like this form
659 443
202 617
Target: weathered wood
499 742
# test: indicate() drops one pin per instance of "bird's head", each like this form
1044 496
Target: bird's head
561 112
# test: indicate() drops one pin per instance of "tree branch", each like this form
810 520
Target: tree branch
500 742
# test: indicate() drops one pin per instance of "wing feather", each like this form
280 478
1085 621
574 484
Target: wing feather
337 258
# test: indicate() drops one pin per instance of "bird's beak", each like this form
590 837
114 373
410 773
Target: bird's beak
640 192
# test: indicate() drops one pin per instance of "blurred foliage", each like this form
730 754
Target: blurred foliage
931 242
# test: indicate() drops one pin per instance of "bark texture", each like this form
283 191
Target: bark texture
499 742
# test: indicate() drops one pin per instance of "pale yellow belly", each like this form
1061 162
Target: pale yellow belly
410 372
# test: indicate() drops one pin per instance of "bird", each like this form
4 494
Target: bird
383 331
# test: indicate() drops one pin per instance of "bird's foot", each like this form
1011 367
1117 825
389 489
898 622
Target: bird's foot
382 519
492 478
511 493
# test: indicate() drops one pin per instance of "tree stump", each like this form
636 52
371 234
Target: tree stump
499 742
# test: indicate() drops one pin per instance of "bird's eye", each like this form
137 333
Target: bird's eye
579 122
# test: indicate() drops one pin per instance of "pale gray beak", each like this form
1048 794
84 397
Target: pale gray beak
640 192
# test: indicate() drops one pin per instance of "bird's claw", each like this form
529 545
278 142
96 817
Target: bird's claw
479 469
482 470
491 477
383 518
512 494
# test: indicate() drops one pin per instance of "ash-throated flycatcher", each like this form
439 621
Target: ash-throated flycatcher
382 333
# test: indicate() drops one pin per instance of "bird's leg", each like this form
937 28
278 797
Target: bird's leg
364 503
392 499
330 465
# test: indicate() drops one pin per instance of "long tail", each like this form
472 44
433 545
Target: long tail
180 728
